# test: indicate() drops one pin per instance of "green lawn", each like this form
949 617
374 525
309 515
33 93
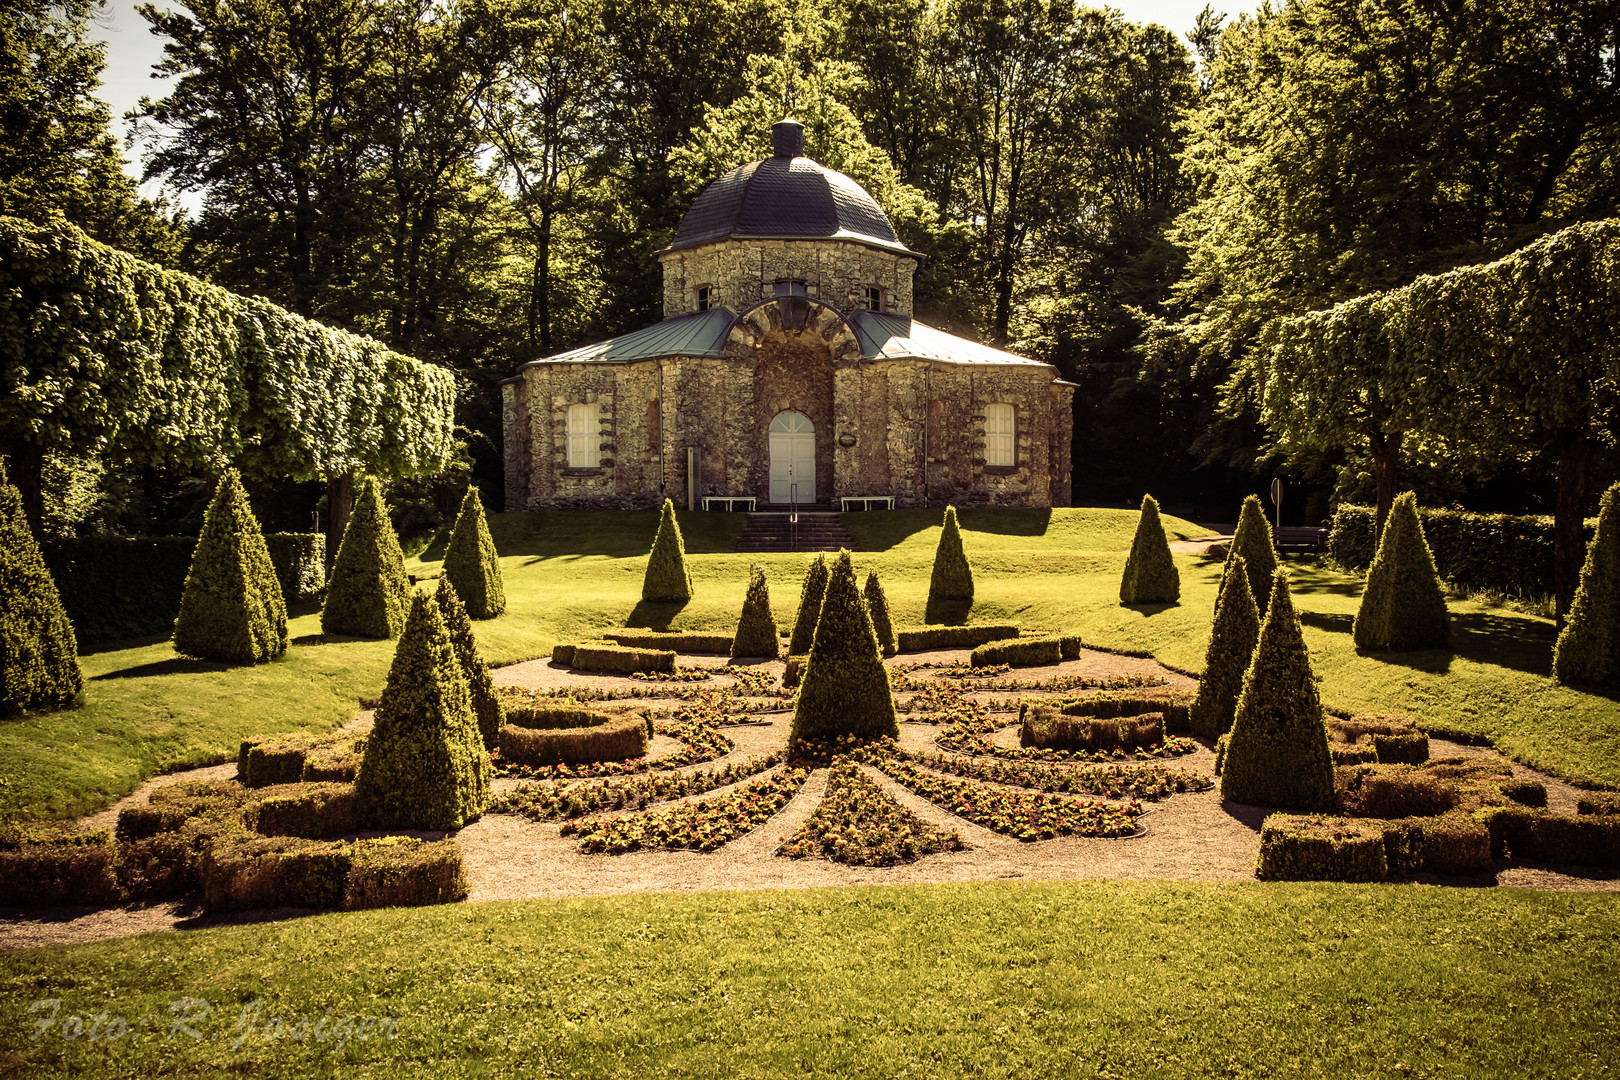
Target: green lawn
573 574
1109 980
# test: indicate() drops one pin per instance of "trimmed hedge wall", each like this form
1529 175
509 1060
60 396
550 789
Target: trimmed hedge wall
616 658
609 739
1482 551
718 644
58 867
280 759
1019 652
928 638
1389 740
116 587
1174 705
1314 848
1051 729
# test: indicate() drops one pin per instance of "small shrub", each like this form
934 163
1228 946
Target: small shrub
1220 751
795 671
471 563
1050 729
845 689
1588 649
810 598
1019 652
312 811
877 606
485 704
55 866
616 658
369 594
757 634
1231 648
1278 755
1253 541
609 739
952 577
425 766
1402 606
1315 848
929 638
1150 570
1598 802
39 656
667 580
232 609
689 641
403 871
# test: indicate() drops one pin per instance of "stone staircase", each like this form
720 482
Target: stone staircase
817 530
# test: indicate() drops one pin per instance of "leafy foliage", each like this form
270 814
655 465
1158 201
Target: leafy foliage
425 766
1150 571
471 562
1278 753
39 658
667 579
860 824
232 609
845 689
1252 540
369 594
1231 648
756 629
486 704
810 597
1588 649
952 577
1402 606
877 606
701 826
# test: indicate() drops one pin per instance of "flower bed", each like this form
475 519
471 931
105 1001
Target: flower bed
1151 782
677 674
560 800
700 826
1023 815
859 824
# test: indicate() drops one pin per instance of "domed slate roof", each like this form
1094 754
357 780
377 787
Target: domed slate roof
786 197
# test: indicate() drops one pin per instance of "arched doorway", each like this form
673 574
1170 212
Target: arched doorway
793 459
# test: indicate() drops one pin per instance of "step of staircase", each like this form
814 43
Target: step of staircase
814 531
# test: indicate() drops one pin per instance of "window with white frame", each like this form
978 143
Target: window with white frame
584 441
1000 435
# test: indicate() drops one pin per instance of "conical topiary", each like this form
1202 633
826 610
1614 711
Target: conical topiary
953 577
1588 649
1252 540
231 609
1402 606
486 706
369 594
845 688
1231 648
39 655
425 766
877 606
1278 751
1150 572
810 597
756 630
667 580
471 563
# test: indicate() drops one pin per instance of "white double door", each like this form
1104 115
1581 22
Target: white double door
793 459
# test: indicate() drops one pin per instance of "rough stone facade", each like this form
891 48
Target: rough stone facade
740 273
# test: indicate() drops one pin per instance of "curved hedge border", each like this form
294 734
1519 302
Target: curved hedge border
607 739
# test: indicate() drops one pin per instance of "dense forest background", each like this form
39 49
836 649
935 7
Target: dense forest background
484 182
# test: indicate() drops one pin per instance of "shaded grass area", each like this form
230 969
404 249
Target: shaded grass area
1100 980
572 575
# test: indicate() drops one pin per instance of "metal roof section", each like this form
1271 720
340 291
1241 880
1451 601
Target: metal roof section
899 337
786 197
700 334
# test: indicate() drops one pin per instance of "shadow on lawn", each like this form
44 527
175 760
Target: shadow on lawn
647 615
1519 644
174 665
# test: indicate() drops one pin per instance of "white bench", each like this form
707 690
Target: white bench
711 502
868 502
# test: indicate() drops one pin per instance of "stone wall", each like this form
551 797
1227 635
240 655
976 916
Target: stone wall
743 272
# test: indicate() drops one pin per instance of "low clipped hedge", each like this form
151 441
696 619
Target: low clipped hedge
1051 729
262 760
53 866
1310 847
537 713
251 871
1389 740
929 638
1482 551
1599 802
1019 652
1589 839
404 871
334 762
117 587
1174 705
620 660
614 738
312 811
563 653
1069 646
1395 791
718 644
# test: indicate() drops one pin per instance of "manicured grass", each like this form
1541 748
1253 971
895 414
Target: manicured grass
574 574
989 980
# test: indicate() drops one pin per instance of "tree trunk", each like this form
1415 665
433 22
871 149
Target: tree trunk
339 501
25 469
1569 547
1386 455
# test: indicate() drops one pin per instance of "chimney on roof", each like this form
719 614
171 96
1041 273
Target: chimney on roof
787 136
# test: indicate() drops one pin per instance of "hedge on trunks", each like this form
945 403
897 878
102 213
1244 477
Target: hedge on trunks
1019 652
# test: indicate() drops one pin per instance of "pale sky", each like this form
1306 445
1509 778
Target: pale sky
132 50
